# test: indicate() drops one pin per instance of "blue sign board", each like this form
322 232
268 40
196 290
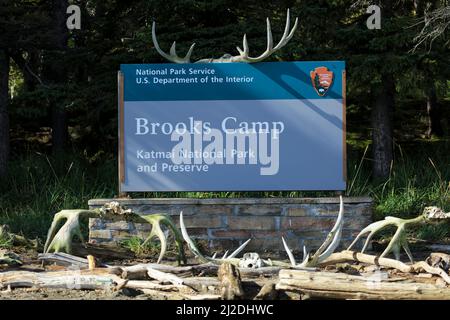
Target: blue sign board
232 126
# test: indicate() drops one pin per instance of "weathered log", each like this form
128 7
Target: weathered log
343 286
196 283
64 259
164 277
190 285
101 251
230 281
202 284
139 271
71 279
259 272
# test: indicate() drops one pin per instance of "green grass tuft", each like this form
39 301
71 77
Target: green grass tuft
136 245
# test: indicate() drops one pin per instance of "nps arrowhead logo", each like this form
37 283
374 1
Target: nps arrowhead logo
321 79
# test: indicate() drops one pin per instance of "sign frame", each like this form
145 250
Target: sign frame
121 144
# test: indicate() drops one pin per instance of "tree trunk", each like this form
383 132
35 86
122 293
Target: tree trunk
59 114
382 128
4 118
433 113
59 128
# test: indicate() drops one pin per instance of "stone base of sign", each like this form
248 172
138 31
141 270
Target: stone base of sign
225 223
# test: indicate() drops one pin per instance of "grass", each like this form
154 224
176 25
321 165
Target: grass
38 186
6 240
418 179
135 244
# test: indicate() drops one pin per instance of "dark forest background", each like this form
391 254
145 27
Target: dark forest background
58 100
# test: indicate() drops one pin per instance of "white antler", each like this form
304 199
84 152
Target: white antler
287 35
326 249
173 57
243 53
194 249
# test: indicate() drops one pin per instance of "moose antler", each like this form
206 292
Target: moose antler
173 57
326 249
399 239
243 53
194 249
60 239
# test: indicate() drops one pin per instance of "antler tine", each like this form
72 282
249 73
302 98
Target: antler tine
334 237
289 252
189 241
269 36
244 53
238 250
173 57
287 35
305 253
270 49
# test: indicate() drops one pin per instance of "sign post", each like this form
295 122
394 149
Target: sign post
232 126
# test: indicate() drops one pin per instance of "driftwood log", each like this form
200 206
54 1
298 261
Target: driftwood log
101 251
64 259
344 286
164 277
70 279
